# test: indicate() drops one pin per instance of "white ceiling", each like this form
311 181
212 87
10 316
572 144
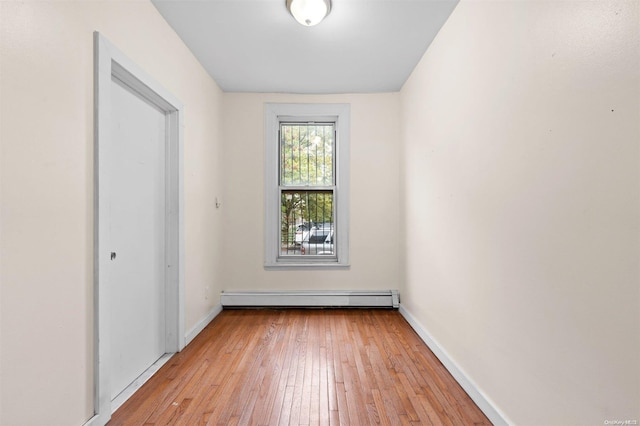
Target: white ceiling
363 46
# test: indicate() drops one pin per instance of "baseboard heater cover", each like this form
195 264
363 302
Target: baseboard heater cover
334 299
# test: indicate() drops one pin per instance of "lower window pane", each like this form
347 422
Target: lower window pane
306 226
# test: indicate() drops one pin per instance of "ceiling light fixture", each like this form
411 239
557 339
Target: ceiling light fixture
309 12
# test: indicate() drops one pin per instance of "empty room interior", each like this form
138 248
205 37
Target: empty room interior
462 177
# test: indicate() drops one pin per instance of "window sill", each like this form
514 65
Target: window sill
306 266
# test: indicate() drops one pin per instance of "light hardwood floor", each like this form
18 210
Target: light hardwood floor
303 367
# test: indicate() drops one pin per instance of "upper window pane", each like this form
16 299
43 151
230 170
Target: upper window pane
306 154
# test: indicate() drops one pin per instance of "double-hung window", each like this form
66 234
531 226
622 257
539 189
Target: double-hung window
307 185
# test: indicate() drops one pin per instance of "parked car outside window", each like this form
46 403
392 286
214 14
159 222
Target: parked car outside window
318 241
302 232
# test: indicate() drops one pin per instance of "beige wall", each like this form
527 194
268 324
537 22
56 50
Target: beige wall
521 131
46 108
517 246
374 207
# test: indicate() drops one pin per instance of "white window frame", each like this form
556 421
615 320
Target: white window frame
275 113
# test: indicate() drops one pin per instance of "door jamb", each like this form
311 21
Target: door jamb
110 63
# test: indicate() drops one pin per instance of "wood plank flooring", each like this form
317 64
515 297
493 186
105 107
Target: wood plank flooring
303 367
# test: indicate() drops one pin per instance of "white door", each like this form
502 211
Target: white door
136 273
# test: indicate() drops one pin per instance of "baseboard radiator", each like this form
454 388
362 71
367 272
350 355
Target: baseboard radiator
311 299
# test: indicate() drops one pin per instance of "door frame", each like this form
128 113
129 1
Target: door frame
110 62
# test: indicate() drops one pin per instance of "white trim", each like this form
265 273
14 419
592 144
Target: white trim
138 382
110 63
483 402
341 298
96 420
274 114
197 329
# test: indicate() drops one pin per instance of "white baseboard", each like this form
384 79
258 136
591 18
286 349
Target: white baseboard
482 401
95 420
325 298
202 324
138 382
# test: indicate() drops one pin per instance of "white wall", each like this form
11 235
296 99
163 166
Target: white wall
374 207
521 128
46 175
